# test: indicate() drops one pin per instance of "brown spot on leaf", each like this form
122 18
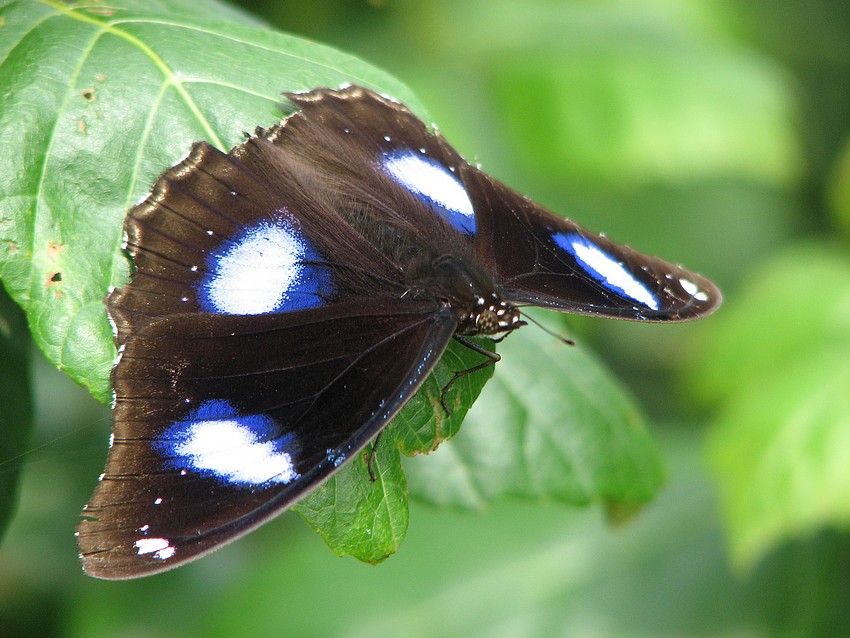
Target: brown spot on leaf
54 249
89 94
100 77
82 127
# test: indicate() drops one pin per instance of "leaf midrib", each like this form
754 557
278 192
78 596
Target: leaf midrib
170 76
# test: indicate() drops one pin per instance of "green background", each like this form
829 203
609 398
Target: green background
711 133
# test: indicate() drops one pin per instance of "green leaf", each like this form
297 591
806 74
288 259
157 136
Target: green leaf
552 423
95 102
779 446
15 402
350 500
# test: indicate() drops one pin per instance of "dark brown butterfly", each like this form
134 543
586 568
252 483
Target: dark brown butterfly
291 296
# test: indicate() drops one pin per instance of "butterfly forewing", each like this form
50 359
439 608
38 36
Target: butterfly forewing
531 255
541 259
220 235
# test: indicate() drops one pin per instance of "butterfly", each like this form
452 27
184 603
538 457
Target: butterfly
289 298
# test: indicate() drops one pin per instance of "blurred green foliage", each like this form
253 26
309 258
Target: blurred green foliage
15 402
713 133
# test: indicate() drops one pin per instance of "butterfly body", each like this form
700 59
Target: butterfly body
292 295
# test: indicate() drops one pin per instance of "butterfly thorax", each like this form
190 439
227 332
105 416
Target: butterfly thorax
470 293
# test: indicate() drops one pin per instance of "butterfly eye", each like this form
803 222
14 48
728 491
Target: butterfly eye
487 322
436 186
269 267
241 450
605 269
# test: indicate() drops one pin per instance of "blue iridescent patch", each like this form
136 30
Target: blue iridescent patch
605 269
217 441
435 185
269 267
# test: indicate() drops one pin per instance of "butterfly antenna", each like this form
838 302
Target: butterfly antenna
548 331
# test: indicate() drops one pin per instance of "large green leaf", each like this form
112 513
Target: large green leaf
96 101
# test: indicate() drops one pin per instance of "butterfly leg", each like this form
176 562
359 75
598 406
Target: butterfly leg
492 358
369 456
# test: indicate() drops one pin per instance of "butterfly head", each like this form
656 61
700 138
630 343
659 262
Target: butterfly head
491 316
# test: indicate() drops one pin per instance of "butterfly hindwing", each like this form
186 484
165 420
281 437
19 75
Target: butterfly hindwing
208 443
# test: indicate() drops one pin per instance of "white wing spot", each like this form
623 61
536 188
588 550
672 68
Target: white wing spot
161 548
693 290
231 451
253 275
610 273
432 181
